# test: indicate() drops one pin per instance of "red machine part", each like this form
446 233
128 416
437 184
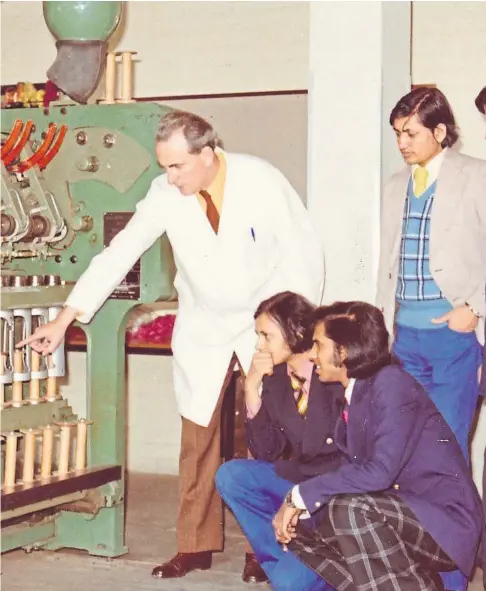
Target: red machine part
43 155
12 138
43 162
39 154
19 146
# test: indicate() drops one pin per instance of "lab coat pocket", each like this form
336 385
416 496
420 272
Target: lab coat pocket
261 256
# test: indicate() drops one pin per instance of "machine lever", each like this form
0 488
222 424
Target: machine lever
14 152
56 146
12 138
39 154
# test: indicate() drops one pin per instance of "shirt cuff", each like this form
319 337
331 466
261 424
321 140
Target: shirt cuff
81 315
250 414
298 501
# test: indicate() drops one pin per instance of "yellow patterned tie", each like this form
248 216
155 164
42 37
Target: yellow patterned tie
301 396
420 179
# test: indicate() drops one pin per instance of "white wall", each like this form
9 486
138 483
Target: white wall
153 438
211 47
346 149
183 47
23 61
449 50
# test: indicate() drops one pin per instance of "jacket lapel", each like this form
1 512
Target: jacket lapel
321 399
348 434
286 398
197 223
230 213
340 437
448 197
398 196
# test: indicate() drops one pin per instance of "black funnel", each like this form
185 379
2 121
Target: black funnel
78 68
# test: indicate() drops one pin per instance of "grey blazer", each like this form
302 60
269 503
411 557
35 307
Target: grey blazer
457 235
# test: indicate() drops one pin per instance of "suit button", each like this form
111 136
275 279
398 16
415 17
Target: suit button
318 504
396 486
329 440
389 276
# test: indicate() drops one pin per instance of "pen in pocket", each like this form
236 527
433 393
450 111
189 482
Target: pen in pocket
252 232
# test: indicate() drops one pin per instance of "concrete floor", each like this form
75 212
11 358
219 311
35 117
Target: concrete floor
151 510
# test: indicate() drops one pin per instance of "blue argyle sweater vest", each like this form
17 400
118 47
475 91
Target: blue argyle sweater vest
418 296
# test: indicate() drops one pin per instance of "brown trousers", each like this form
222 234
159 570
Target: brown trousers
200 517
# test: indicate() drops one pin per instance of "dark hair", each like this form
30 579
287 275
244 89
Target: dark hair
359 328
292 312
481 101
197 131
432 109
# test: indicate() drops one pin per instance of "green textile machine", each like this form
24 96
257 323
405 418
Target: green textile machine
71 176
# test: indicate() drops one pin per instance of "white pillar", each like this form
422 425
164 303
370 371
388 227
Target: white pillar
359 63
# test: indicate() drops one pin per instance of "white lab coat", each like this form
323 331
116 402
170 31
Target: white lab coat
265 244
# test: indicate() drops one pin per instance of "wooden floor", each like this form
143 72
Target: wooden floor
151 510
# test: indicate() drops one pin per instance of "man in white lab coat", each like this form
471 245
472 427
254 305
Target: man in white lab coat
240 234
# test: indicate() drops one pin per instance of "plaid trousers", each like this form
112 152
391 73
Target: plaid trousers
371 542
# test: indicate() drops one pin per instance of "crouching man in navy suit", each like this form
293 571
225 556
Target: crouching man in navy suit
403 506
290 414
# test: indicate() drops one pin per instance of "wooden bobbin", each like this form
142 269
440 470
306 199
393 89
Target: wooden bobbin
127 70
34 386
81 438
2 438
10 458
17 385
3 360
47 449
51 393
109 79
64 448
30 437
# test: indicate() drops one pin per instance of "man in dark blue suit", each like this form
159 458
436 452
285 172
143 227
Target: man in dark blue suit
290 423
403 506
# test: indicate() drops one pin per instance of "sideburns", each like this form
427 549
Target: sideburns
336 357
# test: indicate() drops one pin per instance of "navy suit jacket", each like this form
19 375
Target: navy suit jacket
397 442
279 431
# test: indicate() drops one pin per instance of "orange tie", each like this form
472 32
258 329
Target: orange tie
211 211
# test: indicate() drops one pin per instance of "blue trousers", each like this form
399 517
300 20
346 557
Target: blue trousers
254 493
446 363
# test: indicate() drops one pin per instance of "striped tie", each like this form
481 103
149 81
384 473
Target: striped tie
300 394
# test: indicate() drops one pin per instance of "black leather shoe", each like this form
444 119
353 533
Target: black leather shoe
253 572
183 563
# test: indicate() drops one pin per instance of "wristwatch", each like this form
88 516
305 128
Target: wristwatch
289 502
474 311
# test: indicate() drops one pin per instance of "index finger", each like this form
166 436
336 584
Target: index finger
28 341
